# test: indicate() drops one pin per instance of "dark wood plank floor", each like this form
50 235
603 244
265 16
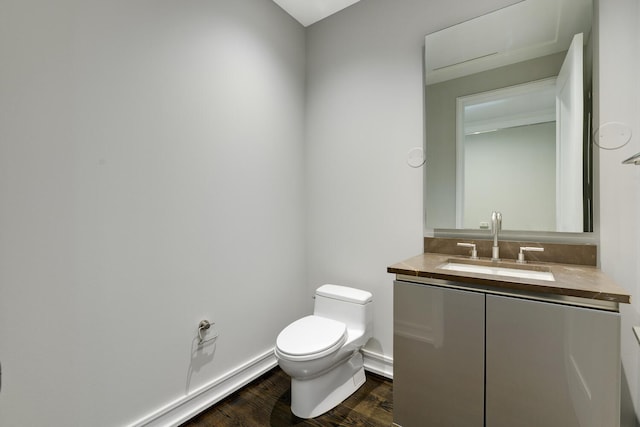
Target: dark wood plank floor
266 402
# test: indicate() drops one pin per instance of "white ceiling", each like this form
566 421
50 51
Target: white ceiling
309 11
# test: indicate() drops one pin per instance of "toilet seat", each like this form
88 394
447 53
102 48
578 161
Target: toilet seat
311 337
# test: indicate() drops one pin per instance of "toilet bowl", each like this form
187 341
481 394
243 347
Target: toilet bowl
321 352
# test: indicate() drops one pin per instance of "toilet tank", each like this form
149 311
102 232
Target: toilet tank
348 305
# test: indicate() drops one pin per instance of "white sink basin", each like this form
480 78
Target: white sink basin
522 273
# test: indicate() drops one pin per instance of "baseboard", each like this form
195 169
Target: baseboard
191 405
378 363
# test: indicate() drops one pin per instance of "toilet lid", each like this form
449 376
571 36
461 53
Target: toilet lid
311 335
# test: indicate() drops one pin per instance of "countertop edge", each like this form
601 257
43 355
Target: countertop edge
425 266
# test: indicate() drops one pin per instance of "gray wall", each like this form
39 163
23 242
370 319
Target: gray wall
616 99
151 176
365 112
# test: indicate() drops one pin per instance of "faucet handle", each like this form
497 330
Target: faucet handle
521 259
474 252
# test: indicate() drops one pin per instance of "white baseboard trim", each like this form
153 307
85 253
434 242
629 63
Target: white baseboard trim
378 363
192 404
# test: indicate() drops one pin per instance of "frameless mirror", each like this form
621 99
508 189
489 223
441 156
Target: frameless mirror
506 99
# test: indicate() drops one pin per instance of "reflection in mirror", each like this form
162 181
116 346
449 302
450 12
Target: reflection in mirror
508 132
504 123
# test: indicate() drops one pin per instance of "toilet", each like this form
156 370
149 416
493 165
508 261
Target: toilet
321 352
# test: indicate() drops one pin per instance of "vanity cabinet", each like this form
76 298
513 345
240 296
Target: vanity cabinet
551 364
471 358
438 356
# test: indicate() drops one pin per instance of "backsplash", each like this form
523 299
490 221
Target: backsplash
563 253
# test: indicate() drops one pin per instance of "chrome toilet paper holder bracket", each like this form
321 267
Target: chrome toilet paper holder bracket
203 326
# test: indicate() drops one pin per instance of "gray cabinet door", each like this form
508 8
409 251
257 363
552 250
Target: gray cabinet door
438 352
551 365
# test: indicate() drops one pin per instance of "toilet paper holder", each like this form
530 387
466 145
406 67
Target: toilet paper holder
203 326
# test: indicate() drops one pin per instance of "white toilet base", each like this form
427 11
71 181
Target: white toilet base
313 397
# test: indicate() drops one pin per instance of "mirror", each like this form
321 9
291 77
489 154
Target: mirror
507 113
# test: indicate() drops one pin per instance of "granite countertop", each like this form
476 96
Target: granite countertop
570 280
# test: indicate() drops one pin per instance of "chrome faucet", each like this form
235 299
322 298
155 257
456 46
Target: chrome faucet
496 226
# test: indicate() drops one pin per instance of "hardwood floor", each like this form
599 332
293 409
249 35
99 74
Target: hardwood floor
266 402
